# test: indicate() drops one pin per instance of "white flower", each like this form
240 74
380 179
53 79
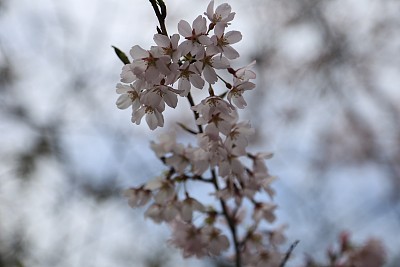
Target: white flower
165 144
237 139
154 118
216 242
129 96
168 45
188 206
166 190
160 94
149 64
215 110
188 238
220 17
162 212
235 94
262 258
196 36
127 75
231 165
211 143
244 73
222 42
264 211
137 196
210 106
199 159
372 254
179 159
208 62
189 75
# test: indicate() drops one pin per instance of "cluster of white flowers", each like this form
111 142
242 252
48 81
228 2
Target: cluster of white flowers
148 82
156 77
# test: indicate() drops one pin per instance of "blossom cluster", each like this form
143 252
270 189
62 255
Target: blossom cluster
156 77
370 254
240 180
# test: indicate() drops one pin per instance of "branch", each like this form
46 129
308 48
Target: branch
161 12
288 253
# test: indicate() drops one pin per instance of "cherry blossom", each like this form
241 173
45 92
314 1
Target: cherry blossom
137 196
129 96
196 36
168 45
155 80
235 94
221 17
154 117
222 44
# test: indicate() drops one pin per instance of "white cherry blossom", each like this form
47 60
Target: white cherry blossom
150 64
189 205
196 36
208 62
154 117
168 45
189 75
222 43
221 17
137 196
129 96
235 94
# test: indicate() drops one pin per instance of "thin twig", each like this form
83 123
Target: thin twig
289 252
230 220
160 15
196 115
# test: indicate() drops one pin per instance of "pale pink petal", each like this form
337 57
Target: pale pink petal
174 40
210 10
171 99
124 101
161 40
138 52
127 75
209 74
219 29
184 28
220 62
138 115
151 74
200 25
184 86
197 81
233 37
230 52
223 10
205 40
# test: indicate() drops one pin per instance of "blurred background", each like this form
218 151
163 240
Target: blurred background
327 104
